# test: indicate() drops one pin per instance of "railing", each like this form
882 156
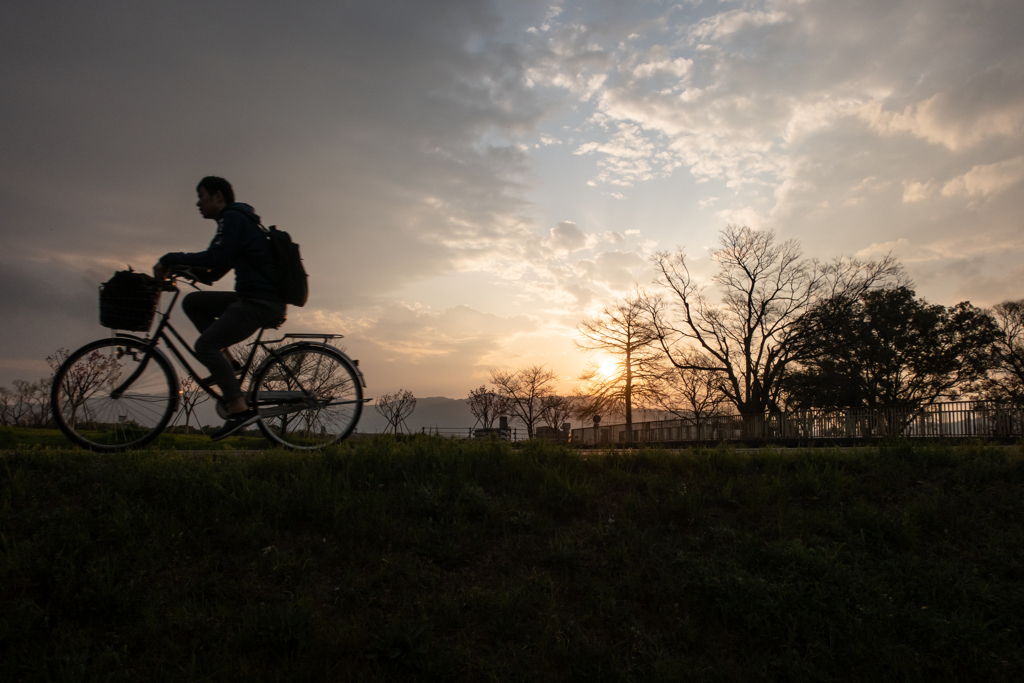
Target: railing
962 419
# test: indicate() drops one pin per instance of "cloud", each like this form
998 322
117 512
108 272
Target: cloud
383 138
746 215
401 144
429 351
615 270
953 119
876 250
984 181
678 67
725 24
566 238
916 191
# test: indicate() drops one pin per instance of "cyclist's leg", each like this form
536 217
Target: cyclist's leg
236 323
203 309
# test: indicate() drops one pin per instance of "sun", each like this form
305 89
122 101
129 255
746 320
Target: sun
608 368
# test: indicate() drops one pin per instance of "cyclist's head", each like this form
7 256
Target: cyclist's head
212 184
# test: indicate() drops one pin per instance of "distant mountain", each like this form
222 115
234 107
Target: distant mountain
453 413
434 411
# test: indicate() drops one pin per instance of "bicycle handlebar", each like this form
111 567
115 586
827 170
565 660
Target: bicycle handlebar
189 273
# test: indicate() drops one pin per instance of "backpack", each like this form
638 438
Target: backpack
293 285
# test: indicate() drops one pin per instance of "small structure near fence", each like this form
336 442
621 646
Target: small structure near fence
475 433
503 432
962 419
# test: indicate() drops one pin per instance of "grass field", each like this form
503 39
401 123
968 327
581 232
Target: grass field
22 438
421 559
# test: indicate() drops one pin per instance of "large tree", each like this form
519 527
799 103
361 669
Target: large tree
526 390
748 334
623 334
1006 378
888 349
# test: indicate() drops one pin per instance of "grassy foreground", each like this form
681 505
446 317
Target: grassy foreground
420 559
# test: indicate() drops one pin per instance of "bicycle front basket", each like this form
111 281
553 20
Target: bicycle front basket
128 301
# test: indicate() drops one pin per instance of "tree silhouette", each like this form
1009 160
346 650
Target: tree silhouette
556 410
887 349
34 398
8 404
765 287
693 393
623 332
88 375
395 408
525 389
1006 379
487 405
192 395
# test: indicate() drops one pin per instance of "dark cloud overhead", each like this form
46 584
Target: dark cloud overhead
350 123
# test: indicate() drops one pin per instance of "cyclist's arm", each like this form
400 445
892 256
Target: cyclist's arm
219 258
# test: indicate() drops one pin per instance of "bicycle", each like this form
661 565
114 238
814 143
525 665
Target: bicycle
121 392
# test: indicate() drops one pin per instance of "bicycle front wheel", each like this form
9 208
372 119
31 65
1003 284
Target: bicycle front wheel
308 397
107 396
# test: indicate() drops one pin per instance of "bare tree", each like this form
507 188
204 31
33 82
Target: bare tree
23 407
525 389
623 332
556 410
86 377
8 402
1006 379
27 405
765 288
693 395
487 405
395 408
192 395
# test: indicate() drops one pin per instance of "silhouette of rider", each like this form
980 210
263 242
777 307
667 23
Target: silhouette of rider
226 318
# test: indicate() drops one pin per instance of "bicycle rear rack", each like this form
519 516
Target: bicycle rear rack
312 335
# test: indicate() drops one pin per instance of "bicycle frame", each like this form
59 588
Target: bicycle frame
164 325
160 334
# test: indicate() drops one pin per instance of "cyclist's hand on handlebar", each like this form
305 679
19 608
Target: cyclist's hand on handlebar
160 271
192 273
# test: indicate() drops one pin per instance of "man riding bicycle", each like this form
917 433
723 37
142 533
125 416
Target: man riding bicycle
226 318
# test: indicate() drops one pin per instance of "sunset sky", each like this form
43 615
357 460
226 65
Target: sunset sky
468 179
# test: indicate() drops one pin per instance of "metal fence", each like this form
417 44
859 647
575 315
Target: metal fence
962 419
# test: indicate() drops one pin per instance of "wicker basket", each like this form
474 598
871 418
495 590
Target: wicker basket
128 301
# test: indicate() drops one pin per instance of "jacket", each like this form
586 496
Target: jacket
240 245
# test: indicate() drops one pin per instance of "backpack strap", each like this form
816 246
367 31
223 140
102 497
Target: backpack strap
266 231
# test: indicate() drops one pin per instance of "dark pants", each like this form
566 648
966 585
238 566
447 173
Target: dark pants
223 319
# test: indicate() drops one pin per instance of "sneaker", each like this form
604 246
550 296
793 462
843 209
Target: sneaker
236 422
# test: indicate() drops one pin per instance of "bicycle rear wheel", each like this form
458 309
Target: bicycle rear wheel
94 408
308 396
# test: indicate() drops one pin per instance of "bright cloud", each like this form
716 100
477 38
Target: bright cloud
942 119
916 191
987 180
